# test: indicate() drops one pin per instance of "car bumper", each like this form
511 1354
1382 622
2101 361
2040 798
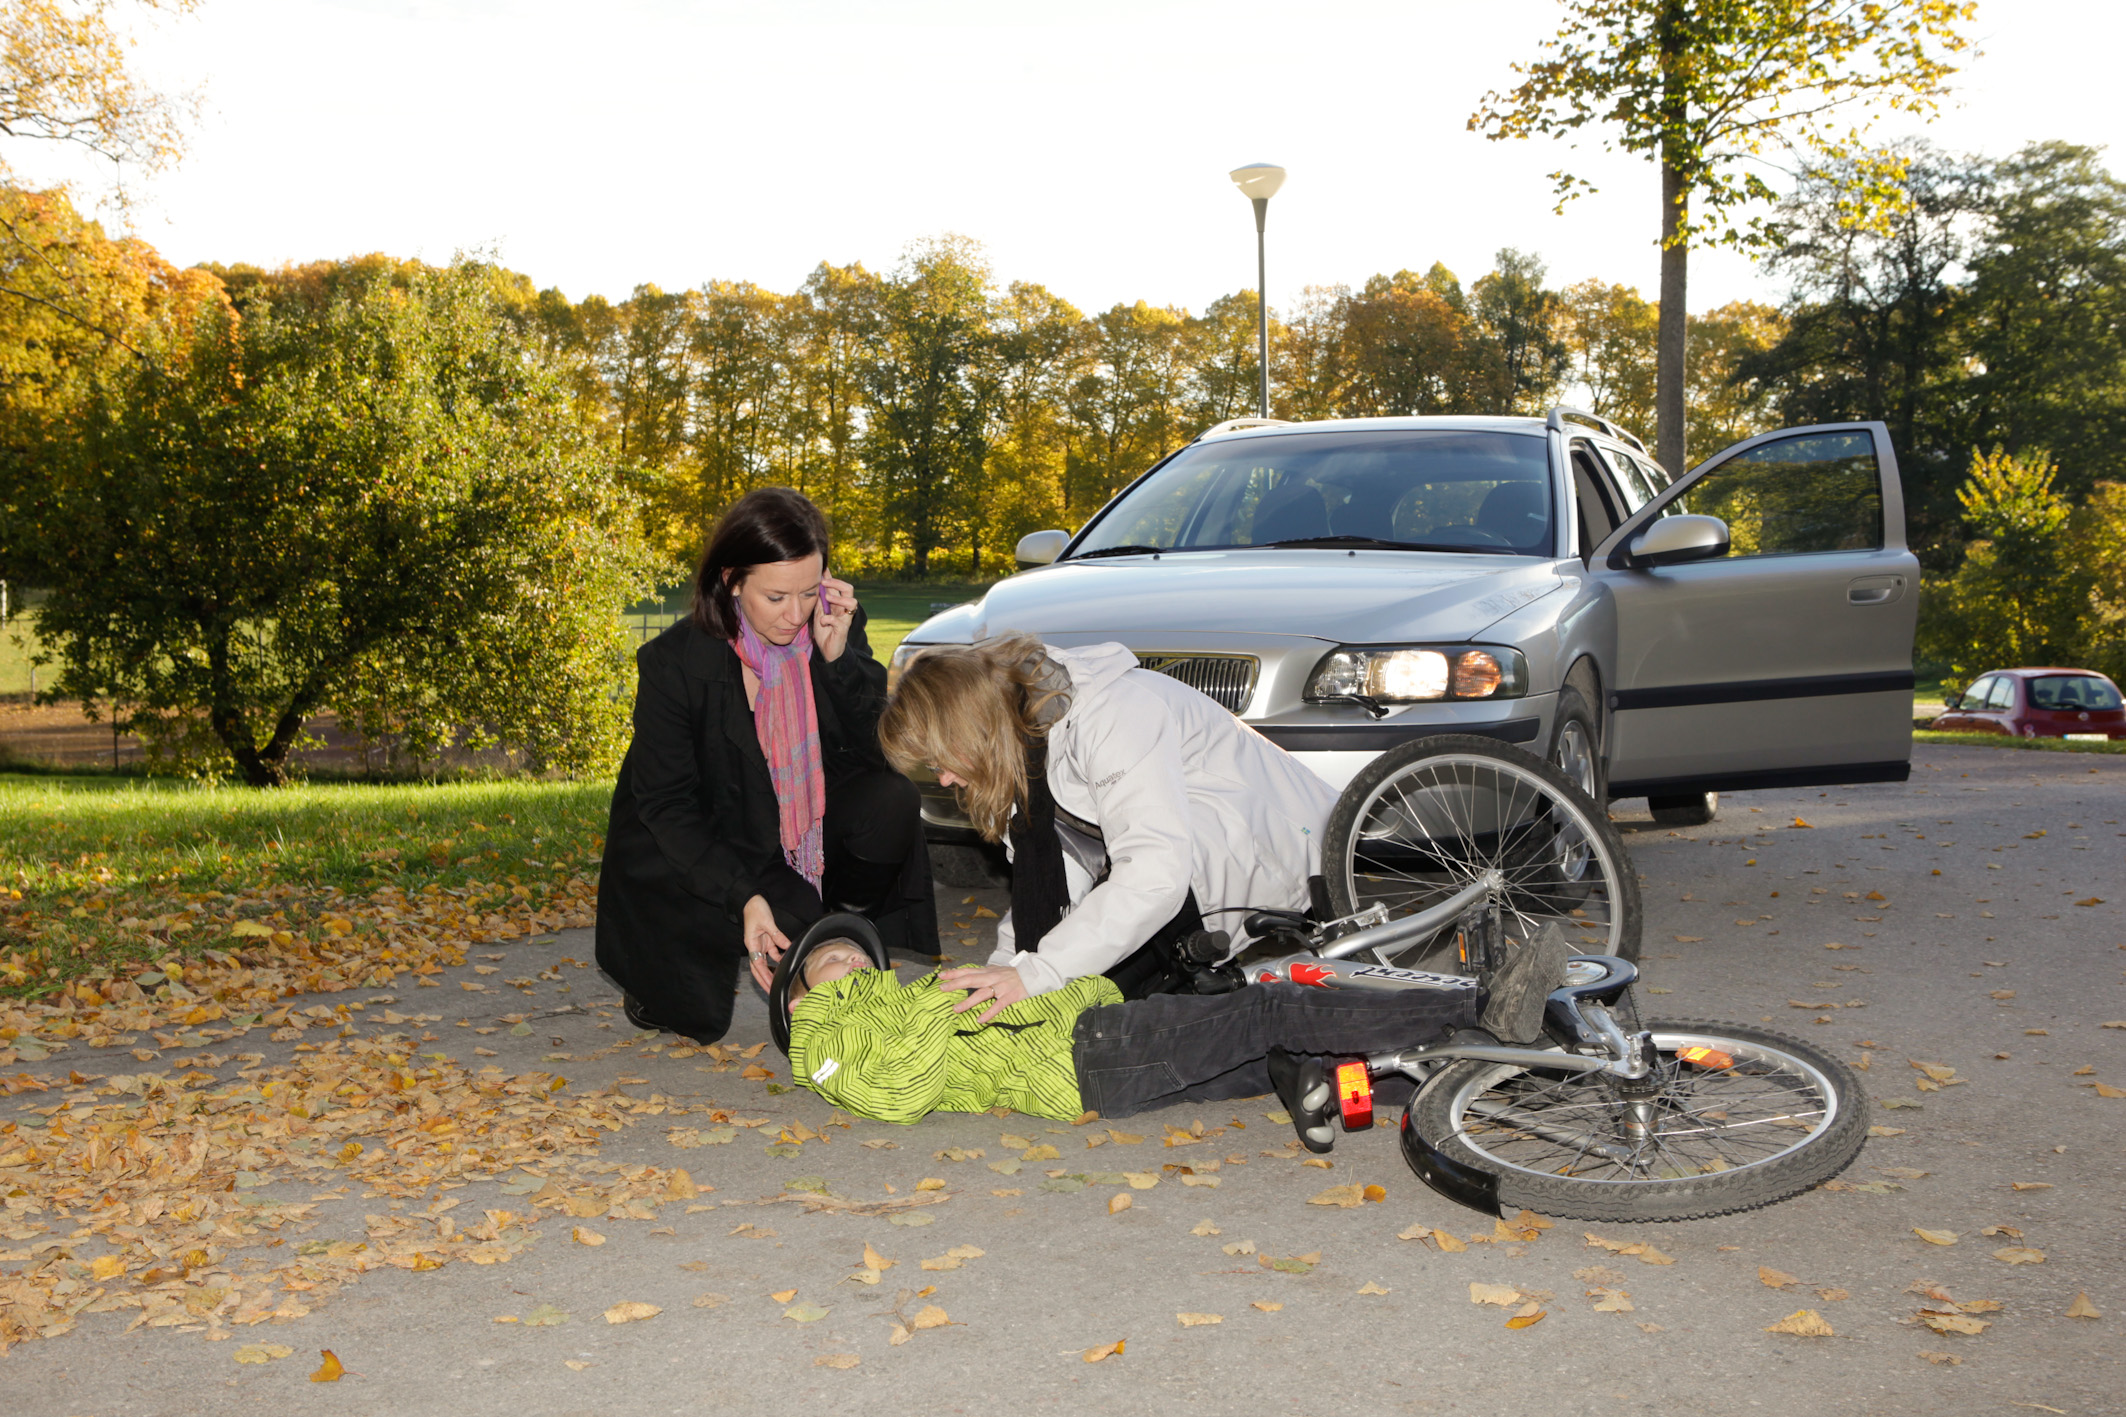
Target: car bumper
1335 744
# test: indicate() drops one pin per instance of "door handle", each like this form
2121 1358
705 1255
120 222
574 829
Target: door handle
1875 590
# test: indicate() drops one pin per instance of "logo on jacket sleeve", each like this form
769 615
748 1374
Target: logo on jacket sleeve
827 1068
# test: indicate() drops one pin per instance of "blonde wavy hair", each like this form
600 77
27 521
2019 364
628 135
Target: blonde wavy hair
972 710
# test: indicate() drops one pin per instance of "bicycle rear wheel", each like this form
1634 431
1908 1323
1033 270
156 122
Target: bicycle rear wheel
1426 819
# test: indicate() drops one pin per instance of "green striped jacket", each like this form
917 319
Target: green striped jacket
890 1051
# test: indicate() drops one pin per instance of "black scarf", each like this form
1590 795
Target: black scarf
1039 891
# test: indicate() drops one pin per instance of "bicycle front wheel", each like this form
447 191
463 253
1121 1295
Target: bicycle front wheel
1729 1118
1425 820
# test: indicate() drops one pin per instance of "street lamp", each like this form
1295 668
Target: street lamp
1258 182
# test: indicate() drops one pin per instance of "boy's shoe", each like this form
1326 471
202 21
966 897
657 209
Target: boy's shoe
1517 990
1303 1085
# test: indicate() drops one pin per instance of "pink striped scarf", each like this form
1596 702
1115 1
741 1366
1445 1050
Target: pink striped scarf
787 721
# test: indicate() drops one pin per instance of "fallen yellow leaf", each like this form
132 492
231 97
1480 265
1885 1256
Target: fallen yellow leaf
1116 1204
584 1236
931 1316
1448 1244
1198 1320
934 1183
574 1364
1345 1196
1369 1287
1204 1227
1105 1350
261 1352
1803 1323
843 1361
330 1370
874 1260
1504 1295
2017 1255
1376 1194
1268 1306
1776 1278
1954 1323
1937 1237
2081 1308
784 1297
630 1312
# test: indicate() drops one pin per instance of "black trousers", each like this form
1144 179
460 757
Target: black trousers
877 865
1209 1048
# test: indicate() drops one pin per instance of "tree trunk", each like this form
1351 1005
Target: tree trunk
1670 343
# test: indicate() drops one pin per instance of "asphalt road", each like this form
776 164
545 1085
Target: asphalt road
1976 957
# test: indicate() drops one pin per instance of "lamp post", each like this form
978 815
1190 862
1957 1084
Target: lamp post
1258 182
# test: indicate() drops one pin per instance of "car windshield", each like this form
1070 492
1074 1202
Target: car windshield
2073 691
1419 490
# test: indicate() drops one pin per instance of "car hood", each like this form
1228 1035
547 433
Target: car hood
1372 597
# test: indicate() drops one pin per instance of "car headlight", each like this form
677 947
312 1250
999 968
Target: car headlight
903 655
1418 675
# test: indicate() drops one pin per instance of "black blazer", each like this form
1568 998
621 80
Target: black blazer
695 829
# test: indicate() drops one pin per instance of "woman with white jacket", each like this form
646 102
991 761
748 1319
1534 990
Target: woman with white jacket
1136 809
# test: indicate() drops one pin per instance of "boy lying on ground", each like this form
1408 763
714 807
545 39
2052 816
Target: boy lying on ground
892 1052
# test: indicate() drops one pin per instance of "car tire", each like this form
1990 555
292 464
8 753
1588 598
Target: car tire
1685 809
1576 745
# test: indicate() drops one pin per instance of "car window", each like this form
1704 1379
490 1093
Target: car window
1598 514
1809 493
1631 478
2073 691
1432 489
1975 696
2003 694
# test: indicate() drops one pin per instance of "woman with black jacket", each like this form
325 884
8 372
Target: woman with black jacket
754 796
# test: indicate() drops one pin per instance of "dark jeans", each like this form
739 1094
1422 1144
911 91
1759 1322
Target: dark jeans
1208 1048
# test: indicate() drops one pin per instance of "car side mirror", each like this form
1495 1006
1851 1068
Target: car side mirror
1671 541
1040 548
1952 701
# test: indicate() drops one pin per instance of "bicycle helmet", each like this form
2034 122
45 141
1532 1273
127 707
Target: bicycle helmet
841 926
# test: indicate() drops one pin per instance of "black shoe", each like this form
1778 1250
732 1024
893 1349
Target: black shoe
1516 992
632 1007
1304 1087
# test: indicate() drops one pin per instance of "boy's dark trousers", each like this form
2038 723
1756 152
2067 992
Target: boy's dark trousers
1208 1048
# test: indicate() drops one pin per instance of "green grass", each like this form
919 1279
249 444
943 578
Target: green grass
78 854
2001 740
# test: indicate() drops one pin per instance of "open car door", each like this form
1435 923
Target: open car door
1783 659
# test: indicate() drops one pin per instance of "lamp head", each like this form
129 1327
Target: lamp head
1258 180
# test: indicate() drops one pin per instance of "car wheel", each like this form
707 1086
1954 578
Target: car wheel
1574 745
1685 809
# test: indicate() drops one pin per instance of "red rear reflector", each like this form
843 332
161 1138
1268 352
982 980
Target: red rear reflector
1705 1057
1354 1094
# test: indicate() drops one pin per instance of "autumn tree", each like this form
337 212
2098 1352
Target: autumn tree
1610 331
86 309
357 493
1712 91
925 436
1523 320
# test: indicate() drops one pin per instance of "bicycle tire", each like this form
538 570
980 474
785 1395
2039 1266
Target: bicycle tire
1442 1111
1341 852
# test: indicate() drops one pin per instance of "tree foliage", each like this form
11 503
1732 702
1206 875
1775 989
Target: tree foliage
1711 90
360 489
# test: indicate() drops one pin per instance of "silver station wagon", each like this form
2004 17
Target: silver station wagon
1347 586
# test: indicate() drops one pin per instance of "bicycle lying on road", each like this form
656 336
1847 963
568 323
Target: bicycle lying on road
1438 853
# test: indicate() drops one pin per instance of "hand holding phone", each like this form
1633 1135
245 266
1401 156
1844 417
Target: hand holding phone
833 616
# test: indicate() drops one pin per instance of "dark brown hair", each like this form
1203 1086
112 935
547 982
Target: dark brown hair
767 525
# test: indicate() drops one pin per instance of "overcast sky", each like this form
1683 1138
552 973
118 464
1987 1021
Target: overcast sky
1084 142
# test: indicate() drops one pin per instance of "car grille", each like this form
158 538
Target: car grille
1227 678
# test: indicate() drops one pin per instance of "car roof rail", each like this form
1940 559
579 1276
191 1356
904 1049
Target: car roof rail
1558 415
1235 425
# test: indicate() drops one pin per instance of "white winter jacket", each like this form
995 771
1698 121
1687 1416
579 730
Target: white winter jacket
1185 795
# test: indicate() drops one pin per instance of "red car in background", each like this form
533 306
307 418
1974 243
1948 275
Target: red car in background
2037 703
